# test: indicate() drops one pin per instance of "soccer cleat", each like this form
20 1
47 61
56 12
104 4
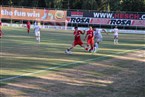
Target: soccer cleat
66 51
70 52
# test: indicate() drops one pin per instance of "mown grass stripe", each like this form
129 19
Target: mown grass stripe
64 65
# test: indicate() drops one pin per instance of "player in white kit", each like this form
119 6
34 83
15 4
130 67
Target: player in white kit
98 37
115 30
37 32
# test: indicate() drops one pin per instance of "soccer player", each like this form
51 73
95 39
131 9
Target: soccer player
1 33
90 39
115 30
77 40
37 32
98 38
28 26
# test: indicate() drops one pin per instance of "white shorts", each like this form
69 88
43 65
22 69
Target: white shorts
115 36
37 33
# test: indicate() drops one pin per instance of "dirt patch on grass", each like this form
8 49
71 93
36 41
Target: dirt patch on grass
122 76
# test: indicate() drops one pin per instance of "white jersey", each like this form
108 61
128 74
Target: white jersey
36 28
115 30
98 33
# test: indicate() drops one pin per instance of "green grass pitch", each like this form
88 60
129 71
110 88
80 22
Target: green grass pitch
20 54
28 69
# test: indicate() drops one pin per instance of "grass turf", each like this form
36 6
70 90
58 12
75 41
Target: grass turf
21 54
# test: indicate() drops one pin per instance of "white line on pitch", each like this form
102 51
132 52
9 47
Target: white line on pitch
63 65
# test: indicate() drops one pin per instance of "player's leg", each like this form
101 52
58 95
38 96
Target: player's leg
28 29
39 36
73 45
88 46
68 51
36 38
35 35
82 45
96 46
91 46
115 39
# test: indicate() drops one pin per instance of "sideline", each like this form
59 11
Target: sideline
64 65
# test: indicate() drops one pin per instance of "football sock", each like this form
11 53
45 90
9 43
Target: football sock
38 39
96 47
114 41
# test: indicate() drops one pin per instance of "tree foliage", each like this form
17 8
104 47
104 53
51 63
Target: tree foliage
99 5
133 5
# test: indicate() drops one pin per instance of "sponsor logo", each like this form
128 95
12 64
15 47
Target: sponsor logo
59 14
143 17
103 15
119 16
126 16
78 14
80 20
120 22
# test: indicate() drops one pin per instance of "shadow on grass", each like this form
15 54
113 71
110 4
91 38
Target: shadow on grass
84 75
112 78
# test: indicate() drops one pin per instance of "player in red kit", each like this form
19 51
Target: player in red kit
1 33
28 26
77 40
90 39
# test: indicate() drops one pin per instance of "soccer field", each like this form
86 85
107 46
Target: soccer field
29 69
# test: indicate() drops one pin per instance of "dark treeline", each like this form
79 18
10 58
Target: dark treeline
99 5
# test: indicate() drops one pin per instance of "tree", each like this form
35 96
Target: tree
99 5
89 5
133 5
115 5
49 3
127 5
10 2
103 5
58 4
